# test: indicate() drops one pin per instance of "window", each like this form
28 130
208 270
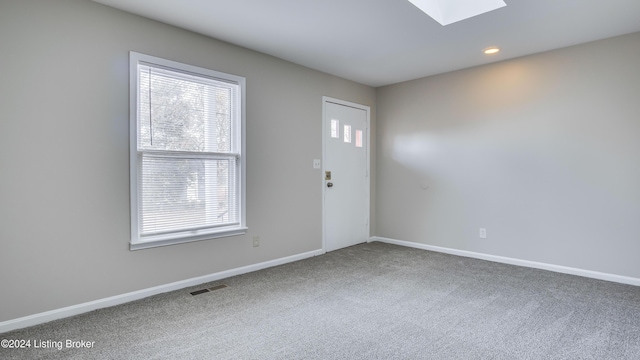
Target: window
359 138
334 128
187 153
347 133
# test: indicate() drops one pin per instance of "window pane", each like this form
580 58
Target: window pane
335 129
181 194
178 113
347 133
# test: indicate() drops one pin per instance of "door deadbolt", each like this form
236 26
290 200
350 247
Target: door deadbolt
327 175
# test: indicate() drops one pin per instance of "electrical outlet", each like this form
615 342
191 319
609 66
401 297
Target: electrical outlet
483 233
256 241
316 163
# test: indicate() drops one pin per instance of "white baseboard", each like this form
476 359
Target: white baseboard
136 295
513 261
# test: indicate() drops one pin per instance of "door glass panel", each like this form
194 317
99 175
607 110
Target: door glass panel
334 129
359 138
347 133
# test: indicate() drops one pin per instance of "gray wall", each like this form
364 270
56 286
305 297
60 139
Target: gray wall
543 151
64 184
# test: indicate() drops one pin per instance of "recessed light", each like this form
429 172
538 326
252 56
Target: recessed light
491 50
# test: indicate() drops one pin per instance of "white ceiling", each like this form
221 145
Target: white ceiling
381 42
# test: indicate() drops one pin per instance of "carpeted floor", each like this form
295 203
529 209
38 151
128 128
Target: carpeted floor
371 301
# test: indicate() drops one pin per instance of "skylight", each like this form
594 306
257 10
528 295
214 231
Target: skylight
449 11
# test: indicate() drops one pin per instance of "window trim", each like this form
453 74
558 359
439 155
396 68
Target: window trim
178 237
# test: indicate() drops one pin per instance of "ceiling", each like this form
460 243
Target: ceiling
381 42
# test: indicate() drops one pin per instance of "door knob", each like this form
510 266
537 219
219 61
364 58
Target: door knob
329 184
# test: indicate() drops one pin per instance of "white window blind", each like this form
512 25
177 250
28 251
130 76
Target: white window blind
188 153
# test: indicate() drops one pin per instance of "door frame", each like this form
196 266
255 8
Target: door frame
367 134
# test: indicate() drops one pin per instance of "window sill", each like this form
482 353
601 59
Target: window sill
165 240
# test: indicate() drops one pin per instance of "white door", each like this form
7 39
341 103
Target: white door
345 173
